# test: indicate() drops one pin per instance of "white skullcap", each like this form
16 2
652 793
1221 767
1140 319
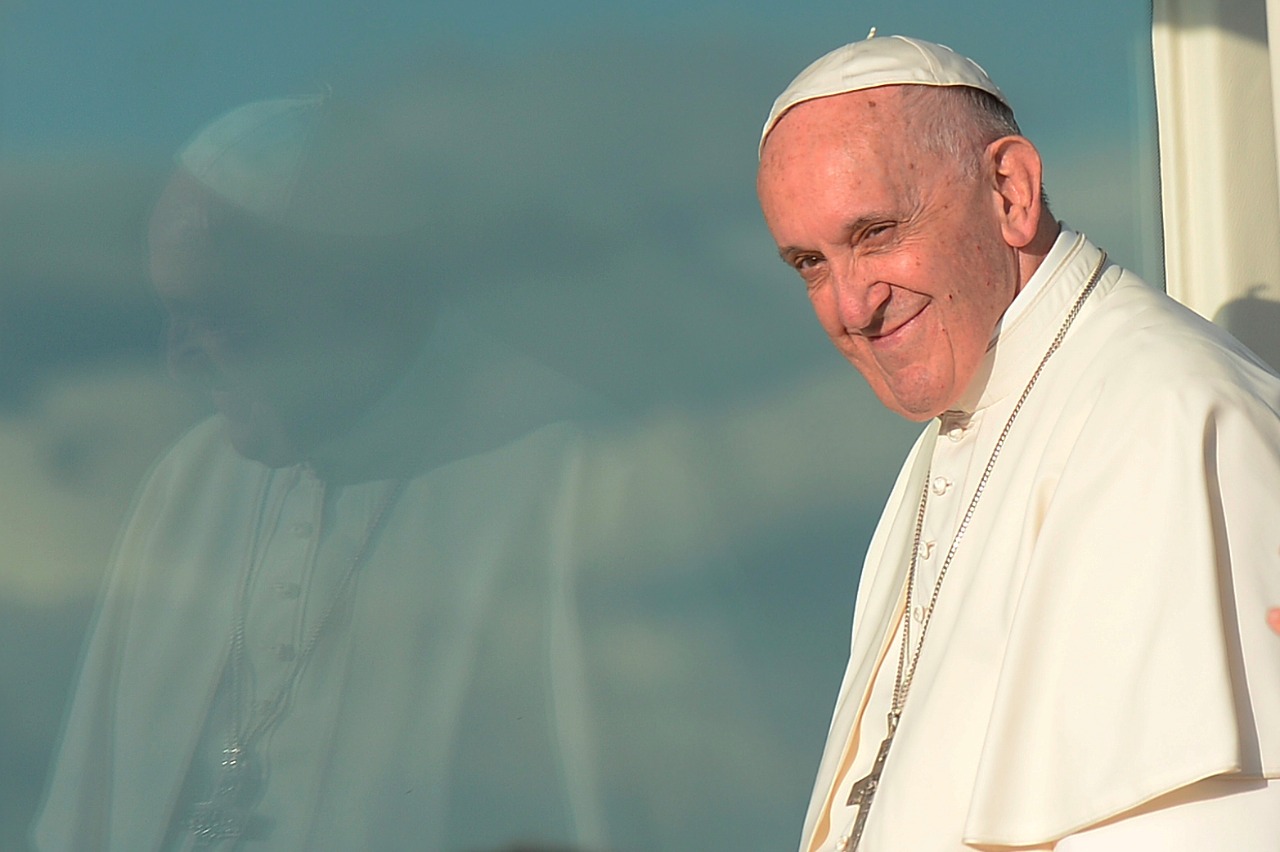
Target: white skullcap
252 157
307 165
888 61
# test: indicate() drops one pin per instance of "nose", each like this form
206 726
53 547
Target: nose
861 297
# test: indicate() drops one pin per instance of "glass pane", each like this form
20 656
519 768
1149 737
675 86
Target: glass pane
505 491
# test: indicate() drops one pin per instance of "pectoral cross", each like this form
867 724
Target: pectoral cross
224 816
864 792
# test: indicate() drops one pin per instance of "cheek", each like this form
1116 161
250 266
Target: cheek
969 324
856 350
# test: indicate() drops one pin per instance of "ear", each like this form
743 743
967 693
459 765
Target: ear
1016 174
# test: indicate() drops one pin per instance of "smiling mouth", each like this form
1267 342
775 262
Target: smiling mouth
886 336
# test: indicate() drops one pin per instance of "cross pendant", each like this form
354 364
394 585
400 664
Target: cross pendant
213 820
864 792
223 816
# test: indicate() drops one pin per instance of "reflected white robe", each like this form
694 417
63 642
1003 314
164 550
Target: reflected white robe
444 705
1101 637
538 650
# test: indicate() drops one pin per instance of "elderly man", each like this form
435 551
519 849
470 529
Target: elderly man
341 615
1061 635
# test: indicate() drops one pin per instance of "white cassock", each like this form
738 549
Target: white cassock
1100 641
441 705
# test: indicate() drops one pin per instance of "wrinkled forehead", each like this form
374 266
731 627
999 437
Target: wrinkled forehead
203 246
862 118
832 161
864 136
191 221
198 244
189 261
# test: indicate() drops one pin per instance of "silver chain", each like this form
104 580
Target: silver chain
902 682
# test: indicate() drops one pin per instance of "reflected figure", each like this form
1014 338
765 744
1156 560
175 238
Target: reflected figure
341 615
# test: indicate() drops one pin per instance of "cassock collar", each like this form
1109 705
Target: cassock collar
1029 324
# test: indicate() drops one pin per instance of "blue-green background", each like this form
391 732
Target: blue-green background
597 164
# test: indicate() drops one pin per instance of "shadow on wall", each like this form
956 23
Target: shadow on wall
1247 20
1255 321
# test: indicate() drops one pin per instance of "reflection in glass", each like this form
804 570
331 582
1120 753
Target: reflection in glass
391 594
338 611
555 204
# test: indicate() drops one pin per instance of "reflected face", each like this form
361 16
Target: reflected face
901 252
290 360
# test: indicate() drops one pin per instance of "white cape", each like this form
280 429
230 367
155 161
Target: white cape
1101 636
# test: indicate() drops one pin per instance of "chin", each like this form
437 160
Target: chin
920 400
914 408
916 416
261 445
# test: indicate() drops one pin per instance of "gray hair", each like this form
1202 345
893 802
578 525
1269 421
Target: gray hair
958 122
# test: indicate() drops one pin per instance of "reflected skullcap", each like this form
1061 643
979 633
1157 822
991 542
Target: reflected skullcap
307 164
885 61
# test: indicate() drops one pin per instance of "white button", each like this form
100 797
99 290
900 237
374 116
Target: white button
940 485
918 614
955 433
927 549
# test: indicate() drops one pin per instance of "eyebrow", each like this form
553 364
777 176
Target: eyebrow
851 227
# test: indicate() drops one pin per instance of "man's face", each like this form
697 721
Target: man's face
902 254
289 359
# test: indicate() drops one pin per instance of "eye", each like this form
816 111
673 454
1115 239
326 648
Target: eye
805 264
877 232
809 264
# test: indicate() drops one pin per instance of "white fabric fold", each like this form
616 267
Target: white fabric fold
1100 639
